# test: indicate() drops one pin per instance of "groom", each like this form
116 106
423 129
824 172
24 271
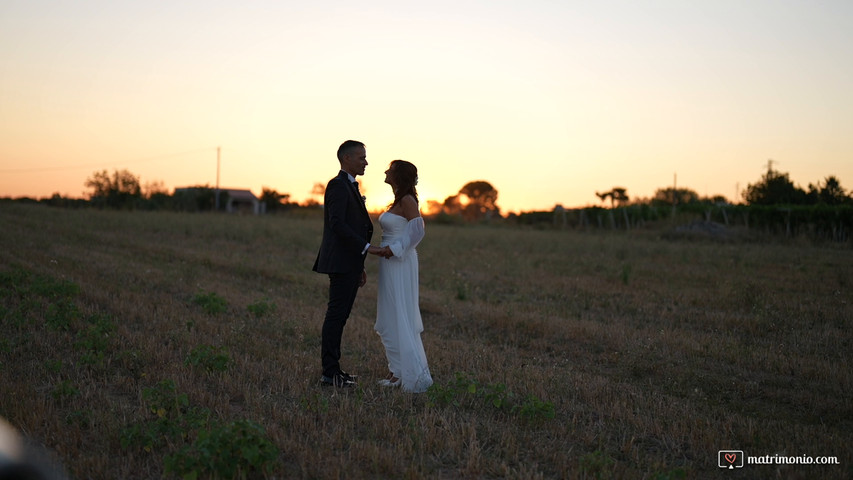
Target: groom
347 230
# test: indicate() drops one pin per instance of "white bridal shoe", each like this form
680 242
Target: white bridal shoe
390 382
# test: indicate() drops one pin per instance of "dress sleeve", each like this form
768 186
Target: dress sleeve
410 239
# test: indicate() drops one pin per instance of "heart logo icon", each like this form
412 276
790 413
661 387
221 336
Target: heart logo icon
731 457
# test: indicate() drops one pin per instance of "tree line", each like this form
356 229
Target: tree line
774 188
124 190
773 204
477 201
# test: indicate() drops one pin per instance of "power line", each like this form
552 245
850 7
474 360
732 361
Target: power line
103 165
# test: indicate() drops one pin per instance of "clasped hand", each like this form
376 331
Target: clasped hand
384 252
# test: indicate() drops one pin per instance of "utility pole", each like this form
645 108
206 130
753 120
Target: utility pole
674 188
217 177
674 192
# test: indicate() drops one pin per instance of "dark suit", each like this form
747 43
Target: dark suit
347 229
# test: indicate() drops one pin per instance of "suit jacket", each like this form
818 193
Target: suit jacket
347 228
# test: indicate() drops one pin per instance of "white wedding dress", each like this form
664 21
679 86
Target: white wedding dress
398 315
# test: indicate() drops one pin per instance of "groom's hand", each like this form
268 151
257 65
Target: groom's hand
384 252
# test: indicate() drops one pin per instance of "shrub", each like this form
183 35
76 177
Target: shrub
94 340
211 303
212 359
233 450
597 465
261 308
173 418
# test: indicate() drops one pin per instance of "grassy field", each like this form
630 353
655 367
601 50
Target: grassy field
149 345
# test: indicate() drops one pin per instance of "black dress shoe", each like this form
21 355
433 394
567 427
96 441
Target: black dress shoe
339 380
346 375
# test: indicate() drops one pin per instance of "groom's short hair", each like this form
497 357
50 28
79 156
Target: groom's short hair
347 147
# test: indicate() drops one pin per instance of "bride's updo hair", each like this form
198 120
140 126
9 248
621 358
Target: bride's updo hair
405 177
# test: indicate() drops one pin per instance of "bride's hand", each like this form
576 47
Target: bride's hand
379 251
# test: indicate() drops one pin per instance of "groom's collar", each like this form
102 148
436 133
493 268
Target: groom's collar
351 178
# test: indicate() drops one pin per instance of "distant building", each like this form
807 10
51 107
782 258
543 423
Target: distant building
234 200
241 201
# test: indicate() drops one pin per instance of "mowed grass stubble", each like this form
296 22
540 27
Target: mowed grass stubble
556 354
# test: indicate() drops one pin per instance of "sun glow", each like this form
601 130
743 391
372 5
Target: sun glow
549 102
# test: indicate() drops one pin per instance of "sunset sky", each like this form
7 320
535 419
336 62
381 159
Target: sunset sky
550 101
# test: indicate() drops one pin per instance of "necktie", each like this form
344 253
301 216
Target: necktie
358 190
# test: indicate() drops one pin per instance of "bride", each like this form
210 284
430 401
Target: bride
398 316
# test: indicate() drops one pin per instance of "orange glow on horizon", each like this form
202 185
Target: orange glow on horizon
547 101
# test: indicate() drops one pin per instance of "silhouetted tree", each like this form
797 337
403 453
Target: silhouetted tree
452 205
155 196
617 196
273 200
478 200
434 207
775 188
319 190
716 200
830 193
677 196
620 195
196 199
150 189
122 190
475 201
